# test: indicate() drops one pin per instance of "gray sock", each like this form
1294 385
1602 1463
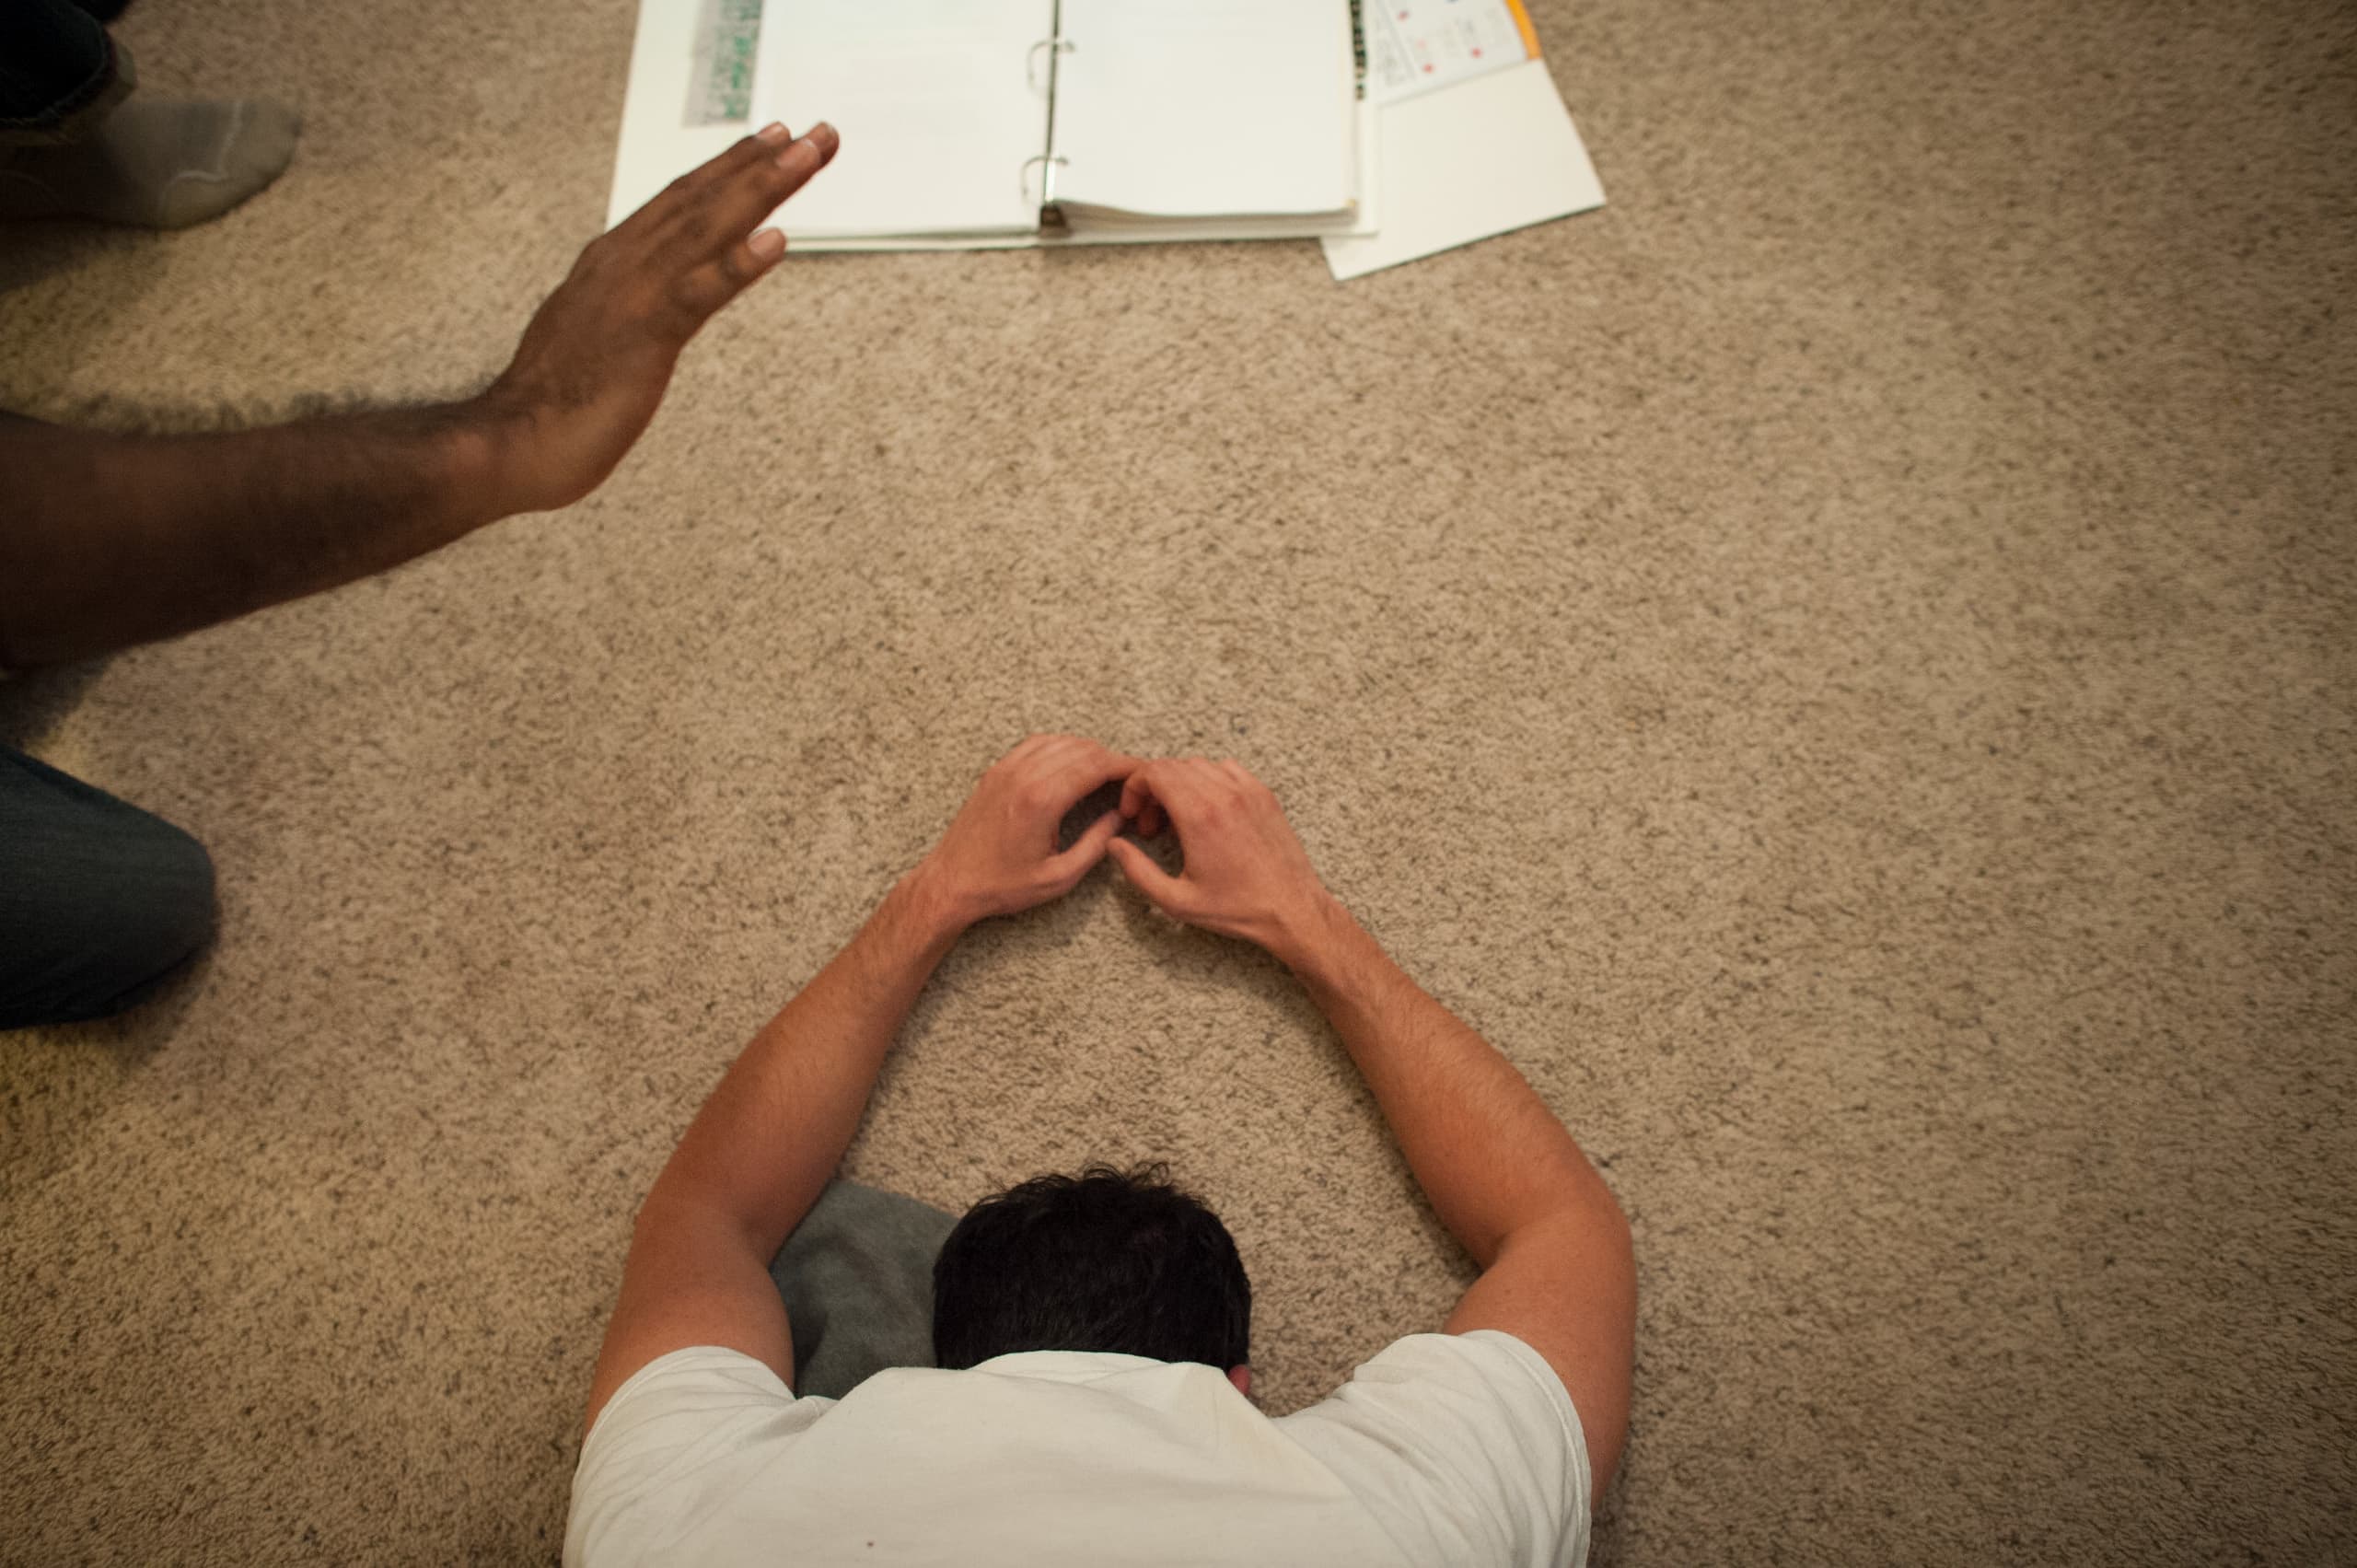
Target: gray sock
155 164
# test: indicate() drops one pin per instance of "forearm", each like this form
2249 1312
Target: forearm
1489 1155
769 1137
110 539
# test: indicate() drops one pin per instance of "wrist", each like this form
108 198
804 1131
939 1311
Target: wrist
928 899
485 438
1308 937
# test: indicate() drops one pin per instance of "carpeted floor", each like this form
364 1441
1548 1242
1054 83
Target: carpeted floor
1839 663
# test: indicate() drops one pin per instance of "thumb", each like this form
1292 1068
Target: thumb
1069 867
1167 892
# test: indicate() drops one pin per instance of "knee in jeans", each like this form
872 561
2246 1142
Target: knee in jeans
178 916
146 920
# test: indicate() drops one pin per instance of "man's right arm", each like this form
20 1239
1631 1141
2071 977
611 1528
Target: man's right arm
1501 1172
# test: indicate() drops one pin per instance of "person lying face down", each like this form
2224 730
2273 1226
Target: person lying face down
1085 1394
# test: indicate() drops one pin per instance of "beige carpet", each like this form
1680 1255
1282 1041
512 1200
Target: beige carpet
1839 663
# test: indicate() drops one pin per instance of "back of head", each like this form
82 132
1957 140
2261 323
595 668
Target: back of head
1104 1261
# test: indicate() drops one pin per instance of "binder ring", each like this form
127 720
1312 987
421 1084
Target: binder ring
1050 165
1031 58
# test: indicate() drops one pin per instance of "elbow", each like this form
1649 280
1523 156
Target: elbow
1609 1218
1586 1202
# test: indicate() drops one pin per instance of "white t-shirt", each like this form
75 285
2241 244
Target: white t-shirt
1443 1449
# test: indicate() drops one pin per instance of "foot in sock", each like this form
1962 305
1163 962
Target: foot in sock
154 164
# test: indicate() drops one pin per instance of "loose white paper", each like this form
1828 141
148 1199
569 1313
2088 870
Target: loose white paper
1481 157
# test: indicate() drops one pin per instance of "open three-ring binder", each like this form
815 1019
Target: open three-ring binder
989 122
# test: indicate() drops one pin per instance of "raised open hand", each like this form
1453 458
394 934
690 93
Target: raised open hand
594 362
1000 853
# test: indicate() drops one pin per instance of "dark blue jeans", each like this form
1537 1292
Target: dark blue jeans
57 66
98 899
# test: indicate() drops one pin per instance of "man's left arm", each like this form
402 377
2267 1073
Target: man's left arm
765 1144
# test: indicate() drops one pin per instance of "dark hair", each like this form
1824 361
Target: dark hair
1104 1261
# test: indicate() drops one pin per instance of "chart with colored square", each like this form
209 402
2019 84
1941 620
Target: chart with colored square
1414 46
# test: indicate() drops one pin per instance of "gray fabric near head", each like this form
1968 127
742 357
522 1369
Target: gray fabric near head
857 1279
1839 663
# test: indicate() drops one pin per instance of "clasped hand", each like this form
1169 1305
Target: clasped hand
1245 874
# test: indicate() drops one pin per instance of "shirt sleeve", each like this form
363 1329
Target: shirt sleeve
1465 1447
670 1443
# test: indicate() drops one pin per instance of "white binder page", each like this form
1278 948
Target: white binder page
1207 107
941 126
660 140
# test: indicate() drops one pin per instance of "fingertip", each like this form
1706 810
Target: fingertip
767 245
822 143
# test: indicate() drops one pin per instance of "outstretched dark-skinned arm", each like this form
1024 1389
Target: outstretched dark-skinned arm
108 539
